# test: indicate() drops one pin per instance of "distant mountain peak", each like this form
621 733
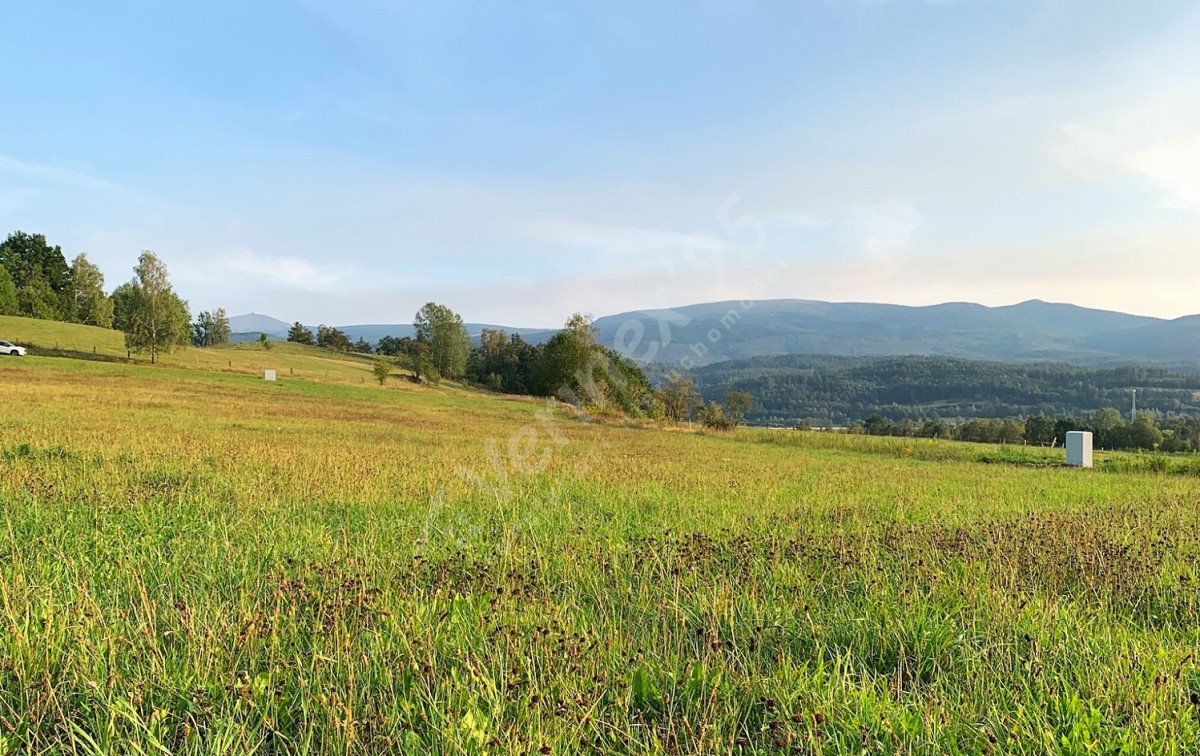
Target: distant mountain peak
253 322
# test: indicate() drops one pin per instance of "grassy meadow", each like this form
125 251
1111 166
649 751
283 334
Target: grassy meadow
297 361
193 560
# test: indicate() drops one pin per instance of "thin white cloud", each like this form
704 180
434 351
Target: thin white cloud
64 176
288 272
621 242
1127 145
888 228
1173 164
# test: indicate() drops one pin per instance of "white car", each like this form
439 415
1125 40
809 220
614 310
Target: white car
13 349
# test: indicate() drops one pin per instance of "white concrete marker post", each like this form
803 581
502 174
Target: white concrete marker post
1079 449
268 375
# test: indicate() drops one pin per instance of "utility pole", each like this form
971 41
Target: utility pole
1133 413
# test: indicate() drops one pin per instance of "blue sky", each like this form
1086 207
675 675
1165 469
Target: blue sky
346 162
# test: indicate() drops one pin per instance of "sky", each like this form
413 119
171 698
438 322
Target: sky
345 162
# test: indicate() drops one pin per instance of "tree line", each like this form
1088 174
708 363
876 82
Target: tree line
36 281
327 337
570 365
1109 428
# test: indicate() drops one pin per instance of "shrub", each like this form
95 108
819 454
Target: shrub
382 369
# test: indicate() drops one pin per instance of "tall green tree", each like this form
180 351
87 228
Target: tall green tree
298 334
1039 430
679 396
222 331
158 320
8 294
580 325
201 328
1143 434
414 355
1109 427
504 363
390 346
574 367
39 271
332 338
564 368
442 329
36 299
737 404
85 301
211 329
122 300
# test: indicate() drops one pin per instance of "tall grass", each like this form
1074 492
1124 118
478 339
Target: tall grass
940 450
48 338
203 562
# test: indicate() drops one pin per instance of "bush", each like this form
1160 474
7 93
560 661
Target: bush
382 369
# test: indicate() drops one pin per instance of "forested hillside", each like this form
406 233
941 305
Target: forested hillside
828 390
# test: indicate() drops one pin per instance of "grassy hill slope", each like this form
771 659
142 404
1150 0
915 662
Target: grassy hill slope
53 339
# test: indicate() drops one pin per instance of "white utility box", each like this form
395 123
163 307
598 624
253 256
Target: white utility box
1079 449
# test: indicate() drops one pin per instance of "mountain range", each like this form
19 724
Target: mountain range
702 334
